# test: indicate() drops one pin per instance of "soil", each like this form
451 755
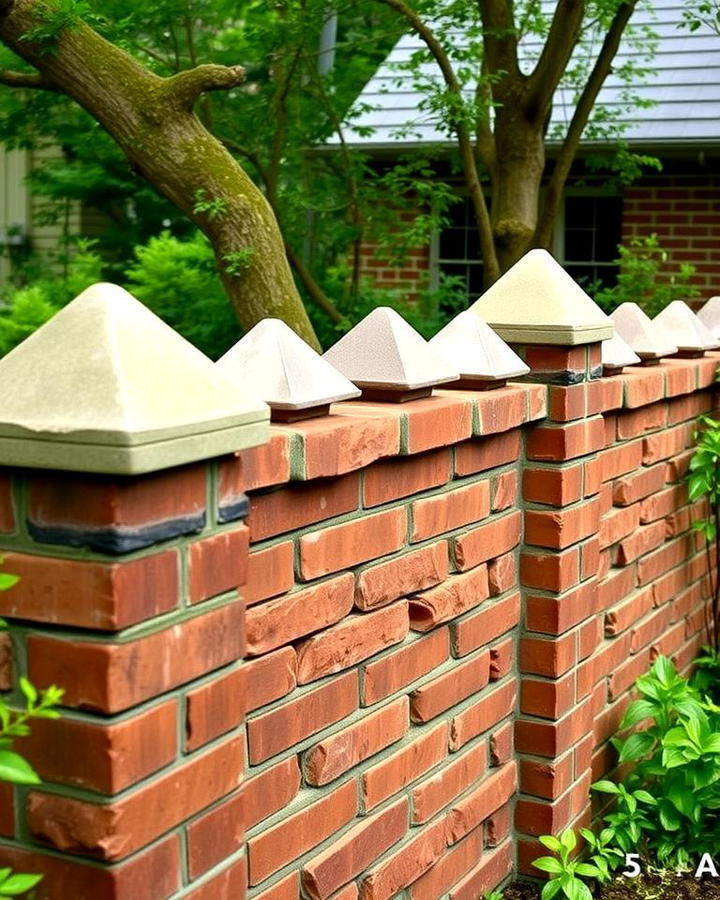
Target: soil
644 887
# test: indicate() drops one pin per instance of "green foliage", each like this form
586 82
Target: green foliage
212 208
493 895
238 261
177 279
566 873
644 278
699 13
52 19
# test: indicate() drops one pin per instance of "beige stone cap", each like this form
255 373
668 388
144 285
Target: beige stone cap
537 302
684 328
283 370
107 386
709 315
470 345
637 329
383 351
616 353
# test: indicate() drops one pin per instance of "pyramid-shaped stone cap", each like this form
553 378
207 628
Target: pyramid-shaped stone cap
383 351
283 370
647 339
616 353
107 386
537 302
684 328
709 315
470 345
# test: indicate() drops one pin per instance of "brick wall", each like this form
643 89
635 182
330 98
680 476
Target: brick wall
434 663
683 212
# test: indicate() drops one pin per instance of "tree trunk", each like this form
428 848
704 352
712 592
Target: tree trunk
152 120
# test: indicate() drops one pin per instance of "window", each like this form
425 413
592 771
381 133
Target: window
588 232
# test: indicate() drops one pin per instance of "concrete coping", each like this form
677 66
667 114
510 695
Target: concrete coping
106 386
482 356
616 354
294 380
383 354
537 302
649 340
684 328
709 315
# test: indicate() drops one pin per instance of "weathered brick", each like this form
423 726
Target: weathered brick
663 503
257 467
563 442
638 485
636 422
643 387
494 791
550 571
432 516
230 882
439 791
415 571
357 541
504 490
449 869
618 524
277 622
490 622
486 453
560 529
213 709
271 732
542 656
484 714
297 505
437 421
270 573
547 699
502 574
551 739
217 564
270 791
623 458
215 836
457 595
666 444
488 541
553 486
438 695
488 873
385 676
268 678
395 478
501 409
502 657
405 865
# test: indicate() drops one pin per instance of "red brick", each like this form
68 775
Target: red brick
406 865
102 596
492 793
497 827
113 677
270 791
555 486
457 595
684 408
655 564
397 670
557 530
547 699
487 874
357 849
567 403
663 503
502 574
6 662
612 392
404 766
592 479
550 571
438 421
271 732
589 558
537 817
258 467
351 641
217 564
649 630
484 714
437 792
270 573
505 490
103 756
490 622
277 622
618 524
615 587
359 540
395 478
64 877
488 541
643 387
113 831
623 458
268 678
296 834
287 889
556 360
449 689
414 571
553 738
680 376
563 442
486 453
666 444
635 423
621 617
556 614
645 539
624 677
452 509
638 485
502 657
214 709
542 656
546 779
68 502
611 655
448 870
336 754
215 836
501 409
501 745
348 440
7 512
298 505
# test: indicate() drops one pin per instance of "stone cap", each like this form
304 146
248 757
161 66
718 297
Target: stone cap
616 354
106 386
637 329
709 315
537 302
283 369
383 351
470 345
684 328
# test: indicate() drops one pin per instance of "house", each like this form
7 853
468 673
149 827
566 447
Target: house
681 204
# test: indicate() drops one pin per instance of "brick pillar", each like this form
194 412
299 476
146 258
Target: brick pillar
128 599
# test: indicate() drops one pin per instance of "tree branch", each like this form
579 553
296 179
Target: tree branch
26 80
186 87
557 50
499 36
601 70
467 153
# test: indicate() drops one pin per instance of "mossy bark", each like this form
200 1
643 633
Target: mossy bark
153 122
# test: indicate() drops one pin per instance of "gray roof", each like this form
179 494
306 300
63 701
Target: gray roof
684 85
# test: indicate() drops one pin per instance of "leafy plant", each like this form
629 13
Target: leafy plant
644 278
493 895
566 873
203 204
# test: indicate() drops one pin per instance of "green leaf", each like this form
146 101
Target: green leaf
548 864
636 746
552 843
587 870
16 770
568 839
7 581
664 670
19 884
645 797
551 889
28 690
638 712
606 787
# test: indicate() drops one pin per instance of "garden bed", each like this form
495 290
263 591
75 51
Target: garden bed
648 887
